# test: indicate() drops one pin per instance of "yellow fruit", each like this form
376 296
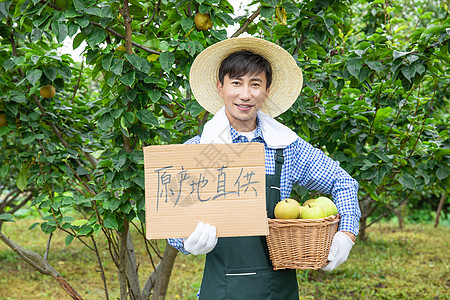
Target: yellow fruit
287 209
2 119
203 21
328 205
313 211
122 48
47 91
308 202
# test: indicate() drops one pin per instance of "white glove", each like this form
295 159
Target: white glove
339 250
202 240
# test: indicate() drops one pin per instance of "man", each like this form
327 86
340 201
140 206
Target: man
245 82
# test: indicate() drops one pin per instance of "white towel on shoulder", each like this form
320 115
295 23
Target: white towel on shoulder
276 135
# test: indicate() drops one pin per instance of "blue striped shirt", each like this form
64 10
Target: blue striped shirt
310 168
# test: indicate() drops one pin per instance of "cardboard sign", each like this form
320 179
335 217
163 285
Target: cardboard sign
219 184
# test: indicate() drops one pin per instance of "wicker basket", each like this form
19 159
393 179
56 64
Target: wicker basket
301 243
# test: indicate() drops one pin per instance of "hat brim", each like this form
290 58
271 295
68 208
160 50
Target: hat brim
287 78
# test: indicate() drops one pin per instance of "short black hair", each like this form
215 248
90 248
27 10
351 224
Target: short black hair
244 62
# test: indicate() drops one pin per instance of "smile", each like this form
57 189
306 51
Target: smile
244 107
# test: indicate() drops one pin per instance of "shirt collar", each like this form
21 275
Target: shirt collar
258 133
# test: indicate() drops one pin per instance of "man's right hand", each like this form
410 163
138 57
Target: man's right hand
202 240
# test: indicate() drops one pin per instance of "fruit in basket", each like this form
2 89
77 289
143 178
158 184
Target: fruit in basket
313 211
328 205
300 214
308 202
287 209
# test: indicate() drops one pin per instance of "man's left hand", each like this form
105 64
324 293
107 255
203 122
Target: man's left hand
340 249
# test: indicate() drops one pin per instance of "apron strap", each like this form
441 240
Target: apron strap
273 184
279 160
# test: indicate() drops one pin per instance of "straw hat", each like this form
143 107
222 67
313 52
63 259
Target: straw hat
287 78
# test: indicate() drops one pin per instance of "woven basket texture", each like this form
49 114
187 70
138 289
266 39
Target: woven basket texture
301 243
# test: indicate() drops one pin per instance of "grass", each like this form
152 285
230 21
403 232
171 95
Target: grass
413 263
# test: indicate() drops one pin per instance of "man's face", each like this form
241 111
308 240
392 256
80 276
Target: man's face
243 98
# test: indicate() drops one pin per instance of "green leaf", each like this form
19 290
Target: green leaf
135 60
4 130
22 178
33 76
65 72
4 170
406 71
154 95
267 12
128 79
186 24
6 217
50 73
272 3
147 117
79 38
167 59
218 34
79 5
354 66
28 140
382 114
291 8
375 65
442 173
69 240
80 222
105 122
82 171
62 31
194 108
315 47
396 54
407 181
110 222
96 37
107 60
431 30
85 230
420 68
117 66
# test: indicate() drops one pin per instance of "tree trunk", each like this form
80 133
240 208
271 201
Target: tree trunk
439 209
400 212
363 224
122 274
148 287
367 208
132 270
163 276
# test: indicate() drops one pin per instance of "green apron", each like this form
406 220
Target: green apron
240 268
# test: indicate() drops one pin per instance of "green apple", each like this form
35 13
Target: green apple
287 209
308 202
328 205
300 214
313 211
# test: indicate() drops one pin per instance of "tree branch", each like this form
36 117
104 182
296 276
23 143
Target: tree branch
247 23
423 124
40 264
77 86
115 33
102 271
